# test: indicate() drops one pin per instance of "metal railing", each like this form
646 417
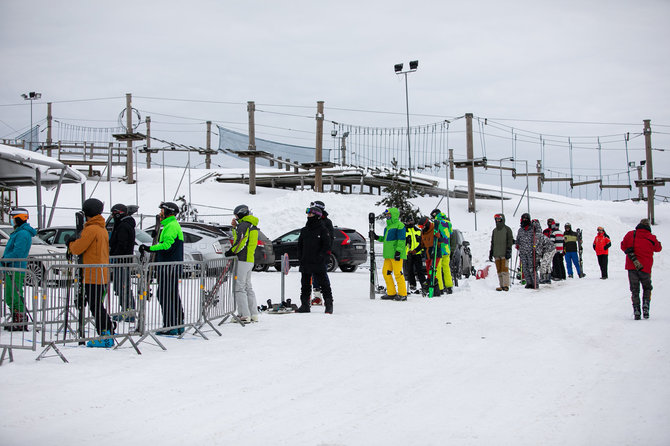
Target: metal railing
109 304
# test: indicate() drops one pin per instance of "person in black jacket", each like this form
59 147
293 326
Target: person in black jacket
122 243
329 226
314 244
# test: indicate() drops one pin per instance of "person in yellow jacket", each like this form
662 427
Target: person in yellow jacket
394 253
244 248
93 246
414 268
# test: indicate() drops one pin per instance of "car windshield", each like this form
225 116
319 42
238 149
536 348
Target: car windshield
143 237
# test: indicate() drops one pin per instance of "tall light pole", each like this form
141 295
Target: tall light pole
413 66
31 97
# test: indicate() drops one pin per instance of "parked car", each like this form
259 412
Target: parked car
56 236
264 254
461 257
38 248
349 249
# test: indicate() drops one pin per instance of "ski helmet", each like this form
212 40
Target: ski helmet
241 211
20 213
119 210
169 207
319 204
92 207
567 225
424 221
435 212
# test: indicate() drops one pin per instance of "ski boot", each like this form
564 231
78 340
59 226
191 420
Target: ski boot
389 296
400 298
317 300
645 308
102 343
18 318
636 313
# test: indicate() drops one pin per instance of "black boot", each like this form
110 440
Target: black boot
328 302
645 308
304 305
636 312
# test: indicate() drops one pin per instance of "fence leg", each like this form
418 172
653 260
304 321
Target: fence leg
53 346
4 351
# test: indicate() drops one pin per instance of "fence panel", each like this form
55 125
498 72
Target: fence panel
19 296
218 297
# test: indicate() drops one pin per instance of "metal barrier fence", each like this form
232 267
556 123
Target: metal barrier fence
18 327
109 304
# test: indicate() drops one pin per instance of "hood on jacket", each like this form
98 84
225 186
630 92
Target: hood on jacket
251 219
500 224
26 227
395 215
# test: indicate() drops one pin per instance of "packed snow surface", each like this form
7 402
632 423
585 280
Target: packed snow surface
562 365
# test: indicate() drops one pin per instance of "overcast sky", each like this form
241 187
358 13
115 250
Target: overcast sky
525 63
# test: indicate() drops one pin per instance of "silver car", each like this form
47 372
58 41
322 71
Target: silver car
40 252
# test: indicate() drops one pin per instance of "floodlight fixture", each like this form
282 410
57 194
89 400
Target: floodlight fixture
398 67
31 97
413 65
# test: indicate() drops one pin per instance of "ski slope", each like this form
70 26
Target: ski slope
563 365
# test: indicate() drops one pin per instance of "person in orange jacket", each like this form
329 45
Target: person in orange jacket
93 246
601 244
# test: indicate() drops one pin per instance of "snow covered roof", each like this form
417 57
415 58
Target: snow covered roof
18 167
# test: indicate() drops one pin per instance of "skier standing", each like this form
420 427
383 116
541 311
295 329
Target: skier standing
429 239
122 243
93 246
571 246
245 228
394 253
545 253
170 248
525 245
444 229
640 246
317 300
414 265
558 267
502 240
549 229
17 247
314 243
601 245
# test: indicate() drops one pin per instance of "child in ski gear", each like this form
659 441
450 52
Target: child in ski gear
570 247
314 243
430 242
17 247
317 300
414 268
601 245
245 231
558 267
444 229
170 248
502 240
549 229
394 253
545 253
93 246
122 243
640 246
525 244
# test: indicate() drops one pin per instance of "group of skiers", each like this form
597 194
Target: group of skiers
416 252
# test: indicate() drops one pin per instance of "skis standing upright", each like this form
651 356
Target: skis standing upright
433 267
373 263
580 249
152 256
79 278
535 285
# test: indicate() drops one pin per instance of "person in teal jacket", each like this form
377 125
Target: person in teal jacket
444 230
18 247
394 253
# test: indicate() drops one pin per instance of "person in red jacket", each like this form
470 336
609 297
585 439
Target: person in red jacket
601 244
640 246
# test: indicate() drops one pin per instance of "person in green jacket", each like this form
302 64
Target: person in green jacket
444 229
394 253
244 247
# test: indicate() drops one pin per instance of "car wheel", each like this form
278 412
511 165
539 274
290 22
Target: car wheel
331 264
38 273
348 268
260 268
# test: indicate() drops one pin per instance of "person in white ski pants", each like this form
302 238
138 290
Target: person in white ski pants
245 298
244 246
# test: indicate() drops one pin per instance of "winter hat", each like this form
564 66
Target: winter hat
119 209
20 213
319 204
600 228
645 222
92 207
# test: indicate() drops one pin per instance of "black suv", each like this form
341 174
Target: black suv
348 250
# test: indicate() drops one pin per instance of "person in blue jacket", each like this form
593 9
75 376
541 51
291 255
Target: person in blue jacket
18 247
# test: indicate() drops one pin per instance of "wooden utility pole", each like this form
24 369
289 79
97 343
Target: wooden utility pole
650 171
539 175
471 168
318 181
49 118
208 156
130 177
251 108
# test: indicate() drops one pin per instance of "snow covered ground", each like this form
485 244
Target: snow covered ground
564 365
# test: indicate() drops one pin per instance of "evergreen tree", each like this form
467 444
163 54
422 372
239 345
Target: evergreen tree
398 195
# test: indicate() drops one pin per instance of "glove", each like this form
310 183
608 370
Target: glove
229 253
68 239
372 235
508 254
144 248
396 256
